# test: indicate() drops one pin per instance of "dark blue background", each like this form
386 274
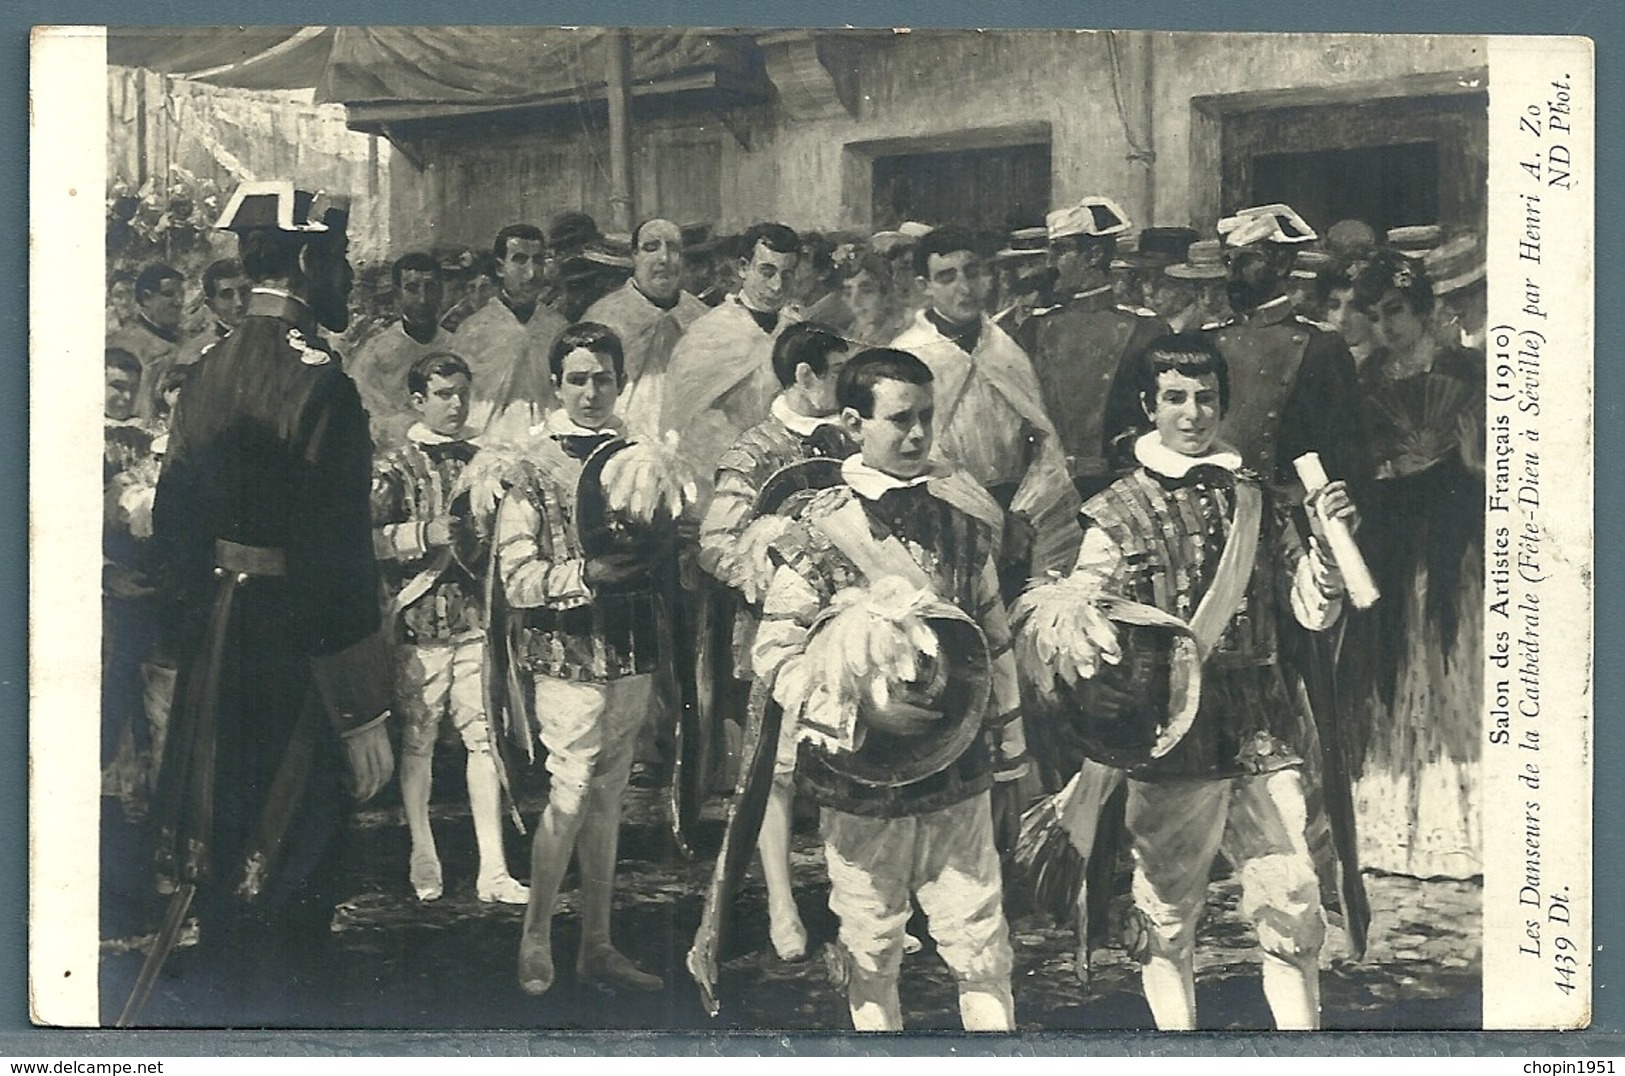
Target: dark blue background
1603 20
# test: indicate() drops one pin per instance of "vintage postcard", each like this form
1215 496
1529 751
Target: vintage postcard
689 529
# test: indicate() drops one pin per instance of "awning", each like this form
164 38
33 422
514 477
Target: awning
393 73
248 57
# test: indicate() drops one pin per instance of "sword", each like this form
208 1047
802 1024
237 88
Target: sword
163 944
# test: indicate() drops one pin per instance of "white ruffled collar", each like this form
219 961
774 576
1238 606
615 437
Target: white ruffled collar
871 484
1156 456
558 424
420 434
798 424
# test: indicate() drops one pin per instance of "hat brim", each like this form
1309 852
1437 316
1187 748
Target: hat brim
1184 271
1457 283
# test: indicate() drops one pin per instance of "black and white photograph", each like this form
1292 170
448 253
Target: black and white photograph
849 530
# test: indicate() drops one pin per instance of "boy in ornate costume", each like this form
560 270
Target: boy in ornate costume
885 642
590 634
1194 547
803 424
430 559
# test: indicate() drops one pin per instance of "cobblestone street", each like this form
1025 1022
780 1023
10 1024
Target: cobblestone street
450 964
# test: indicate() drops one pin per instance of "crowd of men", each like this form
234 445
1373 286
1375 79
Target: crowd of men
599 490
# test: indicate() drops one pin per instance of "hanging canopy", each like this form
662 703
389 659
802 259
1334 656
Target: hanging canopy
394 72
247 57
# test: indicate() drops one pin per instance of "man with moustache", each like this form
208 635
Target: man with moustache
263 535
650 313
506 341
1079 345
381 364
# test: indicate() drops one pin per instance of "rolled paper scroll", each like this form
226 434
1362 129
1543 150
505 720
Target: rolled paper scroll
1356 575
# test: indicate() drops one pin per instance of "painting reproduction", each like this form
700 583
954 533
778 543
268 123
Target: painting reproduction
823 530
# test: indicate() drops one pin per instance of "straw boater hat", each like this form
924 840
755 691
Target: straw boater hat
1274 223
1025 243
1309 263
906 234
1096 217
1203 261
1414 241
1455 264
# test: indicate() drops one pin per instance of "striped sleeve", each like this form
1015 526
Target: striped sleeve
531 579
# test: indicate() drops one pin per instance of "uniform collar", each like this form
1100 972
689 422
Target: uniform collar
1273 312
283 305
1153 455
798 424
155 329
871 484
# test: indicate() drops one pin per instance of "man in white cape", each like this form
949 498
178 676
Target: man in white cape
650 313
506 342
721 381
990 418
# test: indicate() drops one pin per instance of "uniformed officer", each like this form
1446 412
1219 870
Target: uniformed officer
1292 382
264 535
1078 345
1293 389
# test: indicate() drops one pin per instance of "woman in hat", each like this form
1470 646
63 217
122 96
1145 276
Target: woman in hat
1414 661
1346 314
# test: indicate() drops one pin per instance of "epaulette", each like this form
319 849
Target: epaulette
1211 325
1321 325
309 354
1137 311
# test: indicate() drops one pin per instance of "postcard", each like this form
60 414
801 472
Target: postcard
867 529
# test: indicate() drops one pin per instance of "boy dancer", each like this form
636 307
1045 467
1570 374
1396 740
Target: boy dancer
591 642
1159 537
430 560
803 423
931 834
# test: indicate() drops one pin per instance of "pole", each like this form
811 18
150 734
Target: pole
618 79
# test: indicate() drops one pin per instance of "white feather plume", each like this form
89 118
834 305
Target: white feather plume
1061 634
499 466
749 566
870 647
648 480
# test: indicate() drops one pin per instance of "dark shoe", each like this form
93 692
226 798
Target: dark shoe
535 967
612 968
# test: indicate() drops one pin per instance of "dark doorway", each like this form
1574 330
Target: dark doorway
999 188
1390 162
1385 186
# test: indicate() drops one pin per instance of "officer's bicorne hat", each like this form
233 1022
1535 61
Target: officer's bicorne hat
1160 671
958 682
1274 223
1096 217
278 204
